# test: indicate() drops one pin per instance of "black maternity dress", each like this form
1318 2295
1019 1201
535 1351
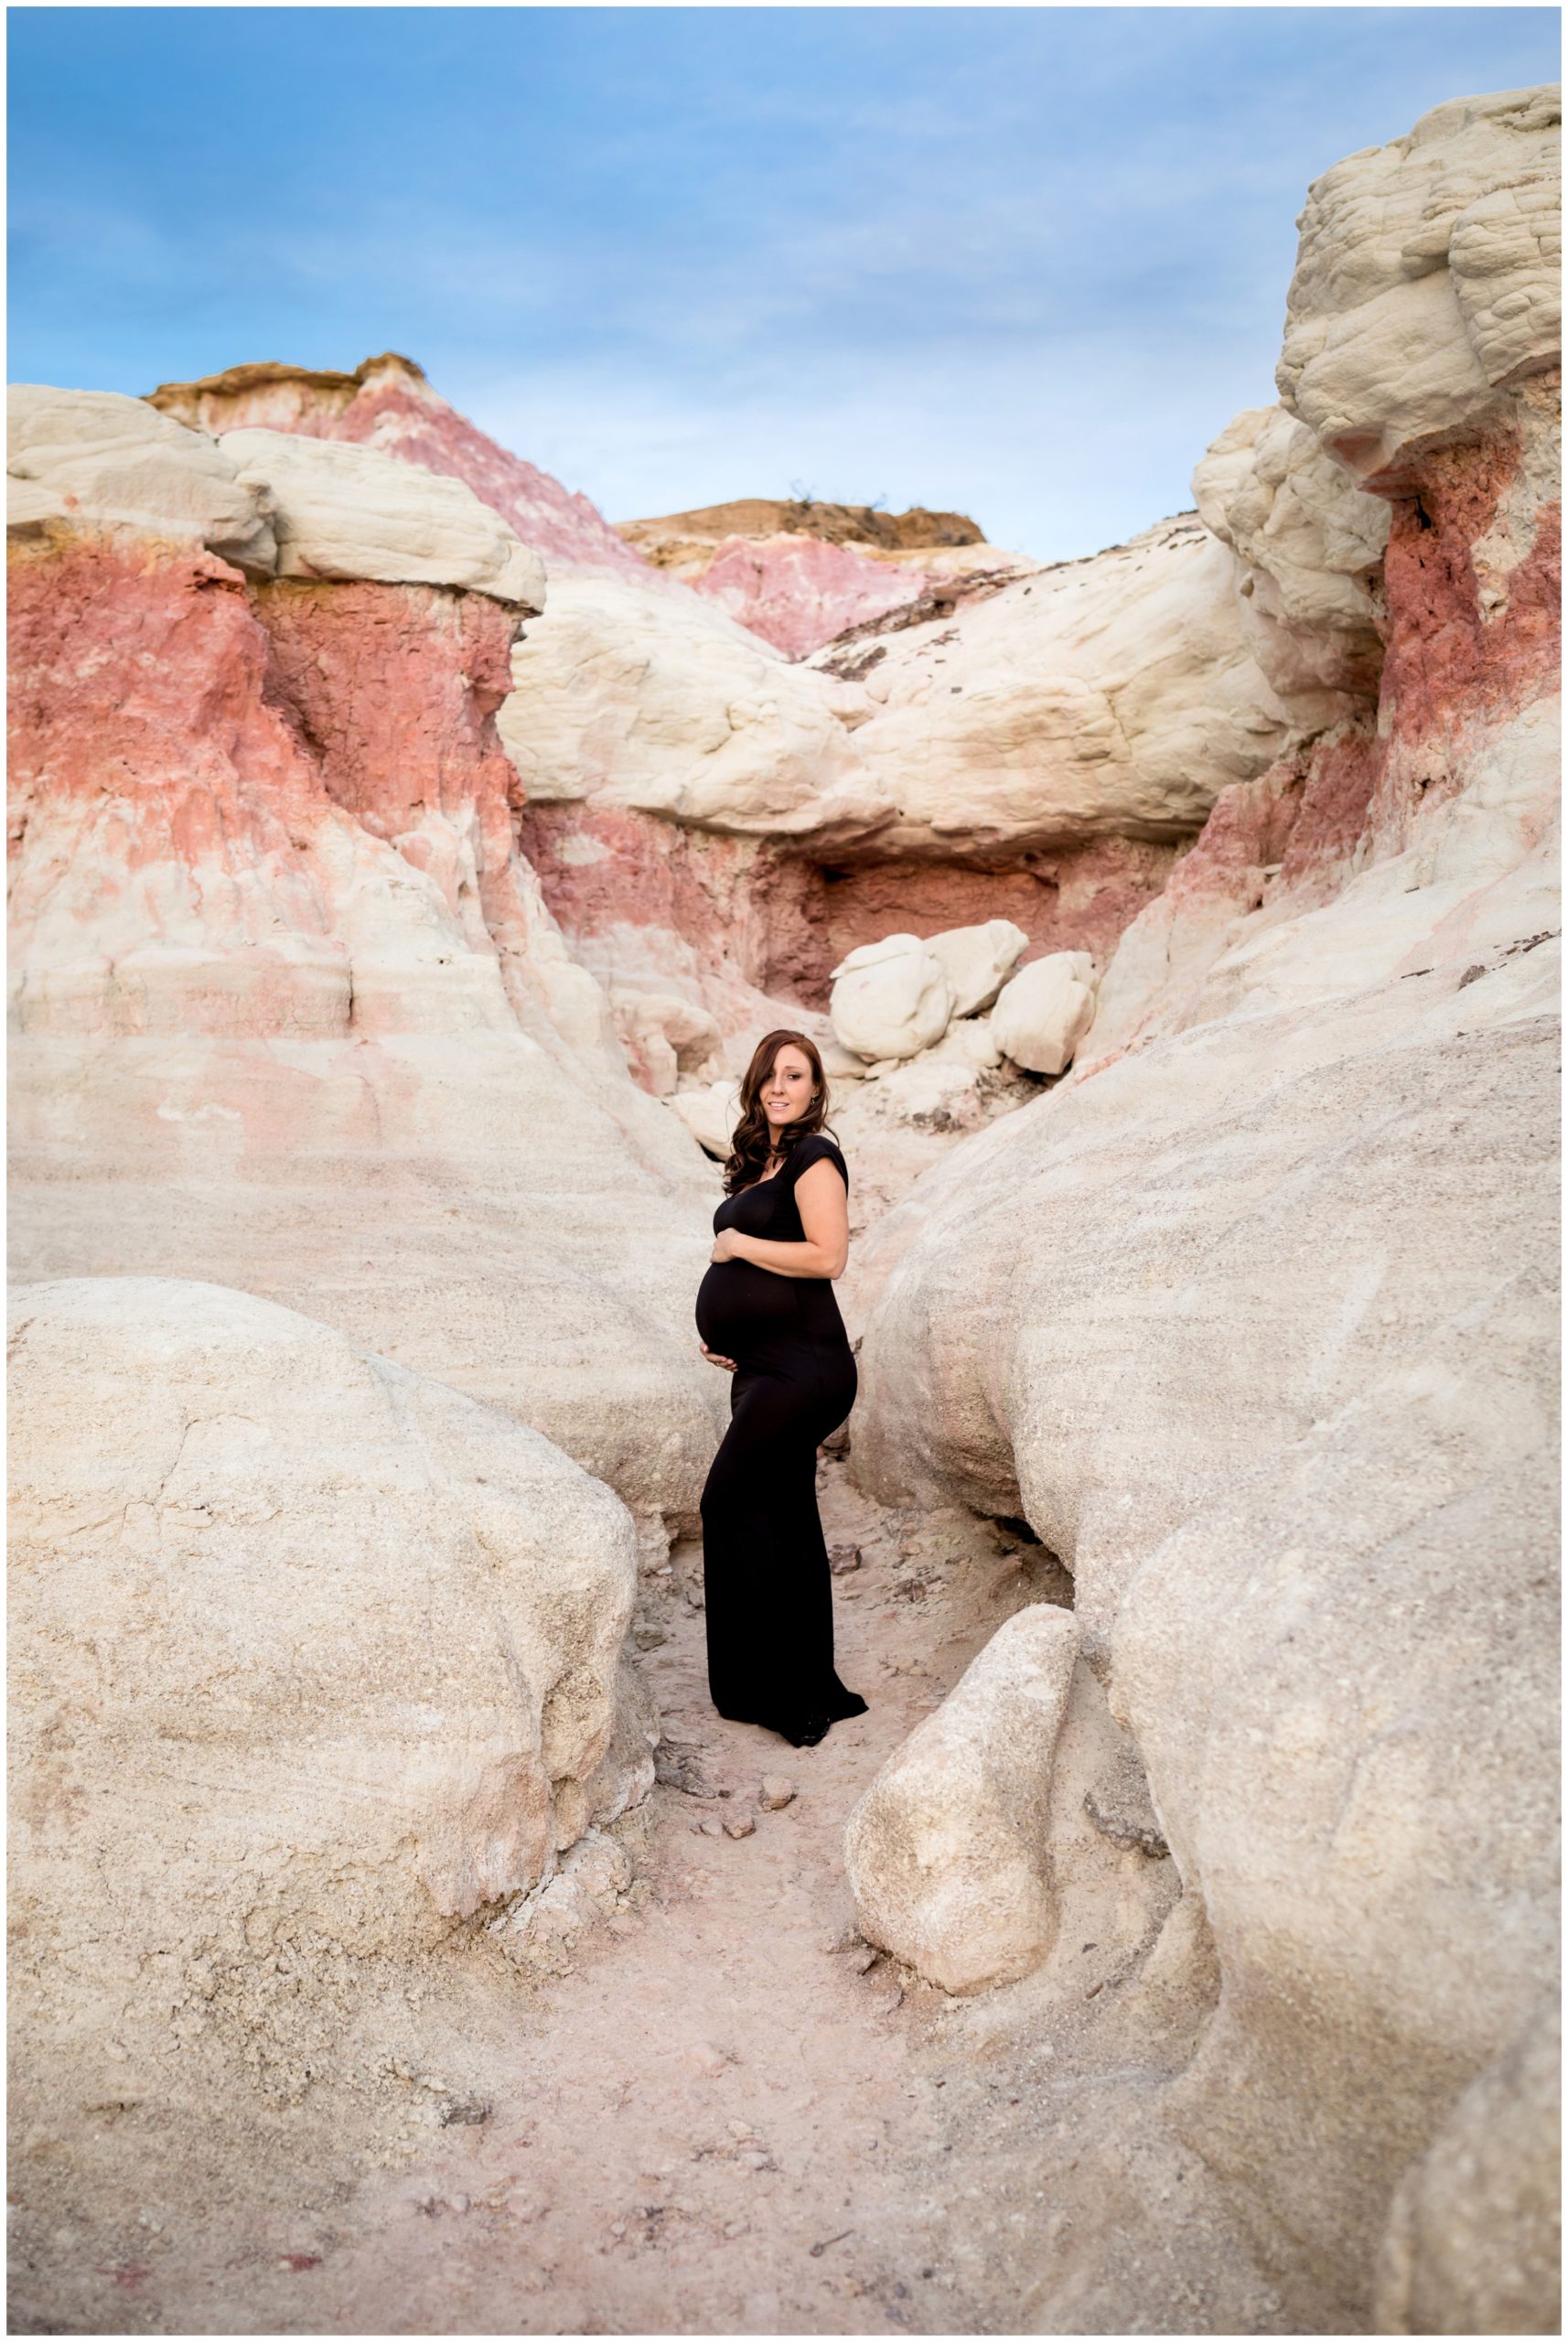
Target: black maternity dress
768 1589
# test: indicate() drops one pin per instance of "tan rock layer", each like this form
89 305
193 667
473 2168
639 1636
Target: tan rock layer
835 525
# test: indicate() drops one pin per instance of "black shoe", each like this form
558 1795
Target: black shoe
807 1732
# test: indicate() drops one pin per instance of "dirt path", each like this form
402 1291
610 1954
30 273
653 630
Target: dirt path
715 2123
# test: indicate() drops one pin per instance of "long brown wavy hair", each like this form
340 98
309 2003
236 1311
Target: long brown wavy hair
752 1142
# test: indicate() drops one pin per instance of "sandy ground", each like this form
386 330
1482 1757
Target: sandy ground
714 2120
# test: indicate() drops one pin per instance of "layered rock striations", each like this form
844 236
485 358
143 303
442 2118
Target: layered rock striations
291 1013
1253 1318
714 823
388 404
803 573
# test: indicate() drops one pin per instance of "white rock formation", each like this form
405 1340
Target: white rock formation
890 999
1312 544
1285 1378
1427 281
1253 1318
653 703
346 512
1045 1011
1116 695
311 1658
665 1037
946 1849
77 456
710 1115
978 960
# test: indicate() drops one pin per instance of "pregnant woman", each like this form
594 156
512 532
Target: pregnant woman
766 1311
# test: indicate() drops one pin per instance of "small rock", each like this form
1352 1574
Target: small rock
776 1792
707 2057
741 1826
843 1940
841 1559
710 1828
1125 1828
1471 975
677 1765
739 2130
466 2110
756 2160
865 1959
885 2002
649 1638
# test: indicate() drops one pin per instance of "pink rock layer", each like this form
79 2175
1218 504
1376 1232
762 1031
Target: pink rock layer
141 728
635 896
387 403
184 747
781 922
1455 659
1462 653
799 594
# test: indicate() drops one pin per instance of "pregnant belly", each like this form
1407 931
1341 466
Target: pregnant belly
742 1308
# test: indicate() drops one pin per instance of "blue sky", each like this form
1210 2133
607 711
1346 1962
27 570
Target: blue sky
1021 262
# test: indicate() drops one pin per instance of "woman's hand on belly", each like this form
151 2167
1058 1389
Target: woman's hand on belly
714 1360
724 1246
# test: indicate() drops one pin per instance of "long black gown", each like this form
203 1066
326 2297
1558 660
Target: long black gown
767 1592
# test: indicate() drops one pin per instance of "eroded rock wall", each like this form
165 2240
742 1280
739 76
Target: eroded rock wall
291 1013
1252 1317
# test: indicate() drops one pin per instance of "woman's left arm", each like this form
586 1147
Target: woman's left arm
823 1206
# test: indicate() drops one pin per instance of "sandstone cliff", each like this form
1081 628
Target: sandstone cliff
1253 1319
290 1012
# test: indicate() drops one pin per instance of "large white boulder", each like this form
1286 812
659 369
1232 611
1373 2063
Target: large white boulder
645 699
1109 697
890 999
343 512
97 459
311 1658
978 960
1427 281
710 1115
1045 1011
946 1850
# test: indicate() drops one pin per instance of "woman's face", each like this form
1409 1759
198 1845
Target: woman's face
787 1092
